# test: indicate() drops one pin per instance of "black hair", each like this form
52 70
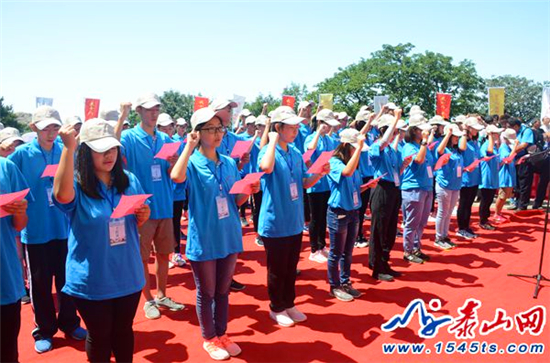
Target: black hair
360 124
87 179
514 122
344 152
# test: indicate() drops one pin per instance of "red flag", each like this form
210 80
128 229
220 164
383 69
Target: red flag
289 101
443 102
91 108
200 102
443 160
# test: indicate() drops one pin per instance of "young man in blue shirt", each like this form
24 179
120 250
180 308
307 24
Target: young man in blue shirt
525 171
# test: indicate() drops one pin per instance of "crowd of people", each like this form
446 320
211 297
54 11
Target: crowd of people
387 163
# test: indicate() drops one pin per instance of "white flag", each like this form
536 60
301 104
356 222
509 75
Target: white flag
545 109
379 101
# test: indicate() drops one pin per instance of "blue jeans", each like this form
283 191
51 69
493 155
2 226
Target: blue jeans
416 204
213 280
446 202
343 226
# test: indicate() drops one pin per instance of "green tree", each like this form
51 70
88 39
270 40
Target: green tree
256 106
177 104
8 117
522 96
297 90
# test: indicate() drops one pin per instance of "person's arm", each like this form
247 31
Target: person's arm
313 179
265 139
124 112
443 144
268 160
490 144
389 134
421 156
369 122
463 143
179 171
240 199
63 182
322 129
142 213
18 210
264 109
353 162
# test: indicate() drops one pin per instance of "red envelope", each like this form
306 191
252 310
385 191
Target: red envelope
168 150
443 160
318 165
128 203
307 155
487 158
241 147
373 181
472 166
243 186
433 145
6 199
50 170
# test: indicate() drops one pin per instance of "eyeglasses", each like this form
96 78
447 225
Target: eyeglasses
214 130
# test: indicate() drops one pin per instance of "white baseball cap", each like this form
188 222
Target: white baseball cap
109 114
385 120
473 122
8 135
459 119
304 104
349 136
327 116
148 100
509 134
492 129
164 119
455 130
416 109
363 115
250 120
342 115
99 135
418 120
245 112
44 116
72 120
261 120
221 103
391 106
202 116
286 115
181 122
402 125
29 136
438 120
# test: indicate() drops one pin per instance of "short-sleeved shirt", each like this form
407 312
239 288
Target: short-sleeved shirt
450 174
210 237
139 151
95 269
303 132
46 222
326 143
345 191
280 215
417 176
472 153
525 135
12 287
180 189
507 172
385 162
489 169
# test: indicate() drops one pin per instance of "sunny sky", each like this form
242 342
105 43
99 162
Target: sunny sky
115 50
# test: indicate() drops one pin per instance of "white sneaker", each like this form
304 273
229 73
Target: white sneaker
296 315
325 251
318 257
214 348
178 260
282 318
168 303
151 310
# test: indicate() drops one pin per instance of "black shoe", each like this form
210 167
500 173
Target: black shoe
411 257
383 277
259 241
340 294
537 206
487 226
422 255
392 272
350 290
237 286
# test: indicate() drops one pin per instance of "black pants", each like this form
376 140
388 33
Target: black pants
257 198
487 196
176 221
109 324
365 196
47 261
282 254
307 212
543 169
318 204
385 204
433 199
242 209
10 324
464 210
525 173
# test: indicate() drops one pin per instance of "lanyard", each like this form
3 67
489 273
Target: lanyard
219 180
44 155
111 200
225 143
289 164
153 145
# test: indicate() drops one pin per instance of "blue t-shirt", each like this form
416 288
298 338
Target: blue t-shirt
365 165
489 169
303 132
252 166
450 175
12 287
46 223
507 172
386 162
95 269
180 189
208 236
417 176
139 150
177 137
345 191
325 143
472 153
525 135
280 215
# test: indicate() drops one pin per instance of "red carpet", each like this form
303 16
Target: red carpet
351 332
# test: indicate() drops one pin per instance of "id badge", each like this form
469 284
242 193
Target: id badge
459 172
396 179
117 232
223 208
355 198
49 192
430 172
293 191
156 173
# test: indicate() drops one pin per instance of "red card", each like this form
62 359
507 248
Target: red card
487 158
168 150
433 145
200 102
443 160
50 170
128 203
289 101
318 165
522 160
443 105
91 108
507 160
409 158
243 186
472 166
373 181
307 155
6 199
241 147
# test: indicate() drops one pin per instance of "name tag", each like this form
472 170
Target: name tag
355 198
459 172
156 172
223 208
430 172
293 191
396 178
49 192
117 232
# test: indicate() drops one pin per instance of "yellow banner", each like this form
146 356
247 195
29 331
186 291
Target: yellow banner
496 101
325 99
